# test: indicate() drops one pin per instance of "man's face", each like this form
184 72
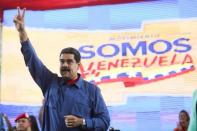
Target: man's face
68 66
22 124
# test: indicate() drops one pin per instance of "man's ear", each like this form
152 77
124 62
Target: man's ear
78 65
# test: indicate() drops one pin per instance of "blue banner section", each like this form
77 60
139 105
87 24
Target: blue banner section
120 16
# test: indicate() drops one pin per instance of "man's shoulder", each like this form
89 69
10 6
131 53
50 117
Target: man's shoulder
90 85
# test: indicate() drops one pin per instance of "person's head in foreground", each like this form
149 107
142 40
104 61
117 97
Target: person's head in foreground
22 122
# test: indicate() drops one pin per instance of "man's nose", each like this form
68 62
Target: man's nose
65 64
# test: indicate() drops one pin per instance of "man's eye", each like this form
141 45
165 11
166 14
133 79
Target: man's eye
61 61
69 61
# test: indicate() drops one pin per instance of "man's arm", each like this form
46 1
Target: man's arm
41 75
100 116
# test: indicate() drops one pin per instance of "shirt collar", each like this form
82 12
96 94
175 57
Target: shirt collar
77 83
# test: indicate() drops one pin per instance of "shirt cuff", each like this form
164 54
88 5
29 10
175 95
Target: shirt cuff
25 42
88 123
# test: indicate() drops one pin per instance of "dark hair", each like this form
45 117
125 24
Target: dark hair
70 50
186 113
34 124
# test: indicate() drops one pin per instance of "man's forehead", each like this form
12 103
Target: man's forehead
67 56
22 119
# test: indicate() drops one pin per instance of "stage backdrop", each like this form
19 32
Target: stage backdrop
158 59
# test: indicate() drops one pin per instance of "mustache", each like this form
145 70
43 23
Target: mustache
65 69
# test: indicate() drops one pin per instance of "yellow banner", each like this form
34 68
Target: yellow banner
158 59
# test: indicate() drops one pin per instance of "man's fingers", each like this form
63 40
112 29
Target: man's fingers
16 20
70 121
69 124
19 12
23 14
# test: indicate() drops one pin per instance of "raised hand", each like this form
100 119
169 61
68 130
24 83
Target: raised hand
19 20
20 24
